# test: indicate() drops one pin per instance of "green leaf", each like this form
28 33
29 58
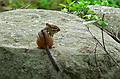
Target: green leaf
95 17
68 1
64 10
105 3
72 3
103 23
62 5
87 17
91 12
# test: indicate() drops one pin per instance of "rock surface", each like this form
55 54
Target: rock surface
74 47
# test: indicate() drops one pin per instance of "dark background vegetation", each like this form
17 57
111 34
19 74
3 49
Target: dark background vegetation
53 4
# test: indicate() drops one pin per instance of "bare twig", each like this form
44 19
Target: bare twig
103 47
96 54
105 30
96 59
102 33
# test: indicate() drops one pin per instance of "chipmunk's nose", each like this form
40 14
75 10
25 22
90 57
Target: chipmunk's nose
58 29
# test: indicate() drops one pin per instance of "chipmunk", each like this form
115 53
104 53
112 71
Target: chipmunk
48 31
45 41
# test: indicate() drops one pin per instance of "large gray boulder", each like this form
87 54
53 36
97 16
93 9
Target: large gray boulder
77 52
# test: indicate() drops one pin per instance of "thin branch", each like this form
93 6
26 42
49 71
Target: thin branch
105 30
96 54
96 59
103 33
103 47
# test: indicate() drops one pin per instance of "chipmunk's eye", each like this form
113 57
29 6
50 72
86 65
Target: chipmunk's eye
47 24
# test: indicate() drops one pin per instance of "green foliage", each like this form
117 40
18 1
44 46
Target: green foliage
54 4
79 8
17 3
111 3
103 23
38 4
42 4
